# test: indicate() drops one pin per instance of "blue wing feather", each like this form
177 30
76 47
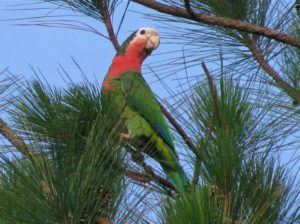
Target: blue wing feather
160 130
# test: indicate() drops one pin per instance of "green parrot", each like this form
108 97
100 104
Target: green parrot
145 125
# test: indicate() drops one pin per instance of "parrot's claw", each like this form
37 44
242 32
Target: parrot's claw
125 137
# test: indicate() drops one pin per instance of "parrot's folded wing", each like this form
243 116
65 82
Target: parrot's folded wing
141 99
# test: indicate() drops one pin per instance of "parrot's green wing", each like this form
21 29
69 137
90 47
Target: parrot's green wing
141 99
142 107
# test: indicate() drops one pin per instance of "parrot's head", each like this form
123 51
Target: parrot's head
133 51
140 44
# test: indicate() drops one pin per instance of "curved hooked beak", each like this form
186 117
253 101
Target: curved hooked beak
152 42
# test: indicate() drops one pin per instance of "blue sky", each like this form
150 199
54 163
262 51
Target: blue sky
45 48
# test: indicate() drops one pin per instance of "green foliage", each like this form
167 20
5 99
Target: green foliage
78 170
65 116
261 193
259 196
194 207
246 10
242 182
223 152
7 86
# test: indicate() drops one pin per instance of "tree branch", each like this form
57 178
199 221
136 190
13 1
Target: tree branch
150 174
109 27
294 94
137 176
220 21
214 95
146 178
189 9
102 220
177 126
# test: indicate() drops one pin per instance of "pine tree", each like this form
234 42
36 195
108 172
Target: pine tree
235 118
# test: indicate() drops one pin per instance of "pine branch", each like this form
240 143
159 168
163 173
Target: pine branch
21 146
213 91
109 27
150 174
189 9
293 93
102 220
146 178
221 21
14 139
139 177
177 126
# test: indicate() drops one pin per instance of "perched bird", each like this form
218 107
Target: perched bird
145 125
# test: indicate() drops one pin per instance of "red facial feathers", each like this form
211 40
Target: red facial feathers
132 60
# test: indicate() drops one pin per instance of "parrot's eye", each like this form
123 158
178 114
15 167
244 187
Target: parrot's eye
142 32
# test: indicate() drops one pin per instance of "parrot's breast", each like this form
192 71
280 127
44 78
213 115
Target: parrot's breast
121 65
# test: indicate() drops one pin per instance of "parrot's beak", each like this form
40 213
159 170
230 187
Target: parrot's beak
152 42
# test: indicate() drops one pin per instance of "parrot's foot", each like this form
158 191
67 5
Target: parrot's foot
125 137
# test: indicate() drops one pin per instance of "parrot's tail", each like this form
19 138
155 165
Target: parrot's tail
178 179
168 160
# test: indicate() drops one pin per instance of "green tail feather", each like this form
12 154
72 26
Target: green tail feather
178 179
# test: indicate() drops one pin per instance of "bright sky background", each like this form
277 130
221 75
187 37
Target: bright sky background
45 48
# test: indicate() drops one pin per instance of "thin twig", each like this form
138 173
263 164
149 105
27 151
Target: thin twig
123 17
221 21
150 174
146 178
102 220
189 8
137 176
196 171
177 126
213 92
293 93
109 26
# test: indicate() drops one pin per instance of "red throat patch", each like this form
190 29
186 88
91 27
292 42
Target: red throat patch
131 61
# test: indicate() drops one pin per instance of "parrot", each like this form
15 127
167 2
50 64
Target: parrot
145 127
